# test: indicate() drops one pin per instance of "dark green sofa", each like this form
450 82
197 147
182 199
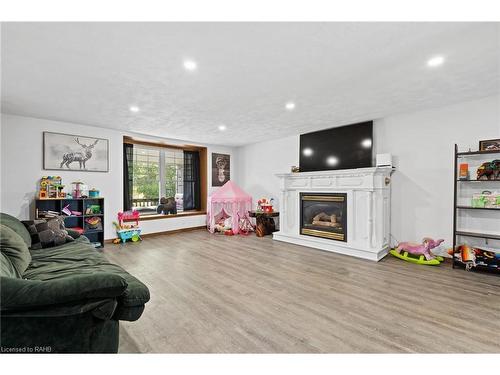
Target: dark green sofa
64 299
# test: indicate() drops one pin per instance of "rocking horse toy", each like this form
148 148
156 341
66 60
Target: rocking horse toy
418 253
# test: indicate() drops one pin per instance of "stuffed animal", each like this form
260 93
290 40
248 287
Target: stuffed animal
167 206
489 170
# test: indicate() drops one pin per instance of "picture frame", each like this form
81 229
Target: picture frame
489 145
221 169
72 152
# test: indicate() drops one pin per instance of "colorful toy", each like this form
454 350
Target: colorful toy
79 190
489 170
127 231
51 188
464 171
418 253
93 222
486 199
94 193
471 257
93 209
128 215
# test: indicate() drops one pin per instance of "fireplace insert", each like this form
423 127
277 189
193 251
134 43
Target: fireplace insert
324 215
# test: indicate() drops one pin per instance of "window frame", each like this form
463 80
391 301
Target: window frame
203 174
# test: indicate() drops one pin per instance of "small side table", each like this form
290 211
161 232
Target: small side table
265 222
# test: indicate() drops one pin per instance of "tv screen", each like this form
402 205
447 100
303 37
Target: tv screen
344 147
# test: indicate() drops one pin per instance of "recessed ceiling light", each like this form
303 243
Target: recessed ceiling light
190 65
435 61
133 108
307 151
290 106
332 160
222 127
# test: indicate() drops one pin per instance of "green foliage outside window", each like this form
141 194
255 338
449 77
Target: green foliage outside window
146 181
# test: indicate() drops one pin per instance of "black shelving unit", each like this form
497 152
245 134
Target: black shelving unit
95 236
457 208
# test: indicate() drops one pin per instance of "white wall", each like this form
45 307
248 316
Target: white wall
422 146
21 169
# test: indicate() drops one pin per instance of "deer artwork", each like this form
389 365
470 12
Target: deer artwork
79 156
220 162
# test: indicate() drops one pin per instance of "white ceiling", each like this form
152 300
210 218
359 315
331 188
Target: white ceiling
336 73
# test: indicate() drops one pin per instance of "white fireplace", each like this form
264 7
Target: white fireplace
359 227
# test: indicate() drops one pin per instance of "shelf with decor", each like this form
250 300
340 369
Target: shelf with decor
77 214
480 255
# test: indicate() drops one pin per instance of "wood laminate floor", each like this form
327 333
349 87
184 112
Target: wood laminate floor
217 294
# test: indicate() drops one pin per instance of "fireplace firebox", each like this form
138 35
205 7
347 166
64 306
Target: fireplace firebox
324 215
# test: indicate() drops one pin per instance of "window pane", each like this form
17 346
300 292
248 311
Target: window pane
174 168
146 179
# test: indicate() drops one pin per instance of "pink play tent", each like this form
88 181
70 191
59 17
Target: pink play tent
230 204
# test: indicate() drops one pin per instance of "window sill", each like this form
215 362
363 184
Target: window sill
161 217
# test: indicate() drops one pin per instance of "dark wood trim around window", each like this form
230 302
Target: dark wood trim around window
203 173
160 217
137 141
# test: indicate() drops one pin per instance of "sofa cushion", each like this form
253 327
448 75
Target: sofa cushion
16 226
79 257
7 269
47 233
14 251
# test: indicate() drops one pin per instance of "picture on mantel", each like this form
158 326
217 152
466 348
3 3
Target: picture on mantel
221 166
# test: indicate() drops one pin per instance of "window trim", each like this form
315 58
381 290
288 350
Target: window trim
203 174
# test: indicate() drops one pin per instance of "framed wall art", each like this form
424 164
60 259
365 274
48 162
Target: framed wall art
70 152
221 166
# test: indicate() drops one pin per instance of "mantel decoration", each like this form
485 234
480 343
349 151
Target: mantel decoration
75 153
221 166
489 145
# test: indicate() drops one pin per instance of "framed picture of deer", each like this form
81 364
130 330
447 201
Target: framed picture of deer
75 153
221 166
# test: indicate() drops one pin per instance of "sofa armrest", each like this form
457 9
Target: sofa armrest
21 295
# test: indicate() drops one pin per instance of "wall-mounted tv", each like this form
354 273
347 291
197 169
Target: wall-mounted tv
343 147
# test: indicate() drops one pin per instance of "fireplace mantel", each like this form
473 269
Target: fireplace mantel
368 209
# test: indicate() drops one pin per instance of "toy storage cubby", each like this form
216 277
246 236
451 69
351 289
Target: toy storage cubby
475 226
95 233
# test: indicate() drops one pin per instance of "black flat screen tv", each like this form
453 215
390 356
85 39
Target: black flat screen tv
343 147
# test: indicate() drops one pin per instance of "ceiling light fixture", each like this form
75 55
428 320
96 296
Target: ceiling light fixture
290 106
435 61
190 65
133 108
222 127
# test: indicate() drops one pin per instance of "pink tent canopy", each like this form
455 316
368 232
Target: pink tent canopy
229 199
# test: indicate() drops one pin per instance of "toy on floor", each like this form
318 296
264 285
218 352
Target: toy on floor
471 256
223 222
127 231
418 253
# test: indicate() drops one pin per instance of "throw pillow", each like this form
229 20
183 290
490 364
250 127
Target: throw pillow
16 226
47 233
15 256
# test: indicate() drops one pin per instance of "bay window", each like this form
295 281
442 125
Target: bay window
154 171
